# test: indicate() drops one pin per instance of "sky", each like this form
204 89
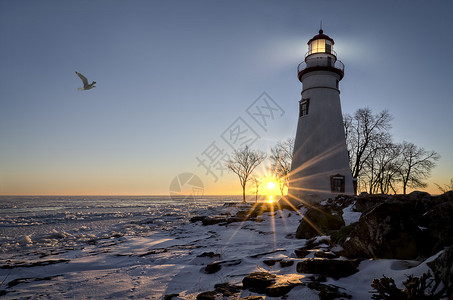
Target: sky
175 77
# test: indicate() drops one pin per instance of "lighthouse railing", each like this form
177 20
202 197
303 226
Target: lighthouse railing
324 62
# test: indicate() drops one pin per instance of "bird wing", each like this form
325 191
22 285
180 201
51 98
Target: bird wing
84 80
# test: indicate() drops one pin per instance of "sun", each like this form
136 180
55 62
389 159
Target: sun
270 185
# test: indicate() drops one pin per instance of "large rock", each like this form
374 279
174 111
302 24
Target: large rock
419 196
211 295
271 284
418 201
301 252
258 281
366 202
227 289
221 290
446 197
386 231
319 220
217 265
442 268
333 268
439 227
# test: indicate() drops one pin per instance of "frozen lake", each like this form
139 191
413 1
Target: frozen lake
37 216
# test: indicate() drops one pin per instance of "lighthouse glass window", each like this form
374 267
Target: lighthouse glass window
303 107
337 183
328 46
320 46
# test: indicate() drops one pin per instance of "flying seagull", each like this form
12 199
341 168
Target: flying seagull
86 85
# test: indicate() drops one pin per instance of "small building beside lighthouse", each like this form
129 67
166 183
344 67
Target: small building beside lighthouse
320 166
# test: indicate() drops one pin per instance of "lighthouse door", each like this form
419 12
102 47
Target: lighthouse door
329 61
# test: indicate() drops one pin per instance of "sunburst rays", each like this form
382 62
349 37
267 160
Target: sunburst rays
292 200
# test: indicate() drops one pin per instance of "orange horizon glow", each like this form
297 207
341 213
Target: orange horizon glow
228 187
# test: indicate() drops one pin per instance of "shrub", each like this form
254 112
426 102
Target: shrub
415 288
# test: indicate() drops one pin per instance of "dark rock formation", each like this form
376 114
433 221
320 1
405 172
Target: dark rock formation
286 263
442 268
366 202
266 253
316 243
386 231
446 197
322 254
227 289
214 220
196 219
211 295
209 254
341 201
258 281
252 213
328 267
399 226
13 264
318 220
312 245
212 267
439 227
270 262
270 284
220 291
301 252
340 235
217 265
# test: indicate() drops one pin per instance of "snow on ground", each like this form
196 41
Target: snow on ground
133 260
350 216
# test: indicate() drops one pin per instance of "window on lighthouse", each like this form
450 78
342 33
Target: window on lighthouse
328 46
320 46
303 107
337 183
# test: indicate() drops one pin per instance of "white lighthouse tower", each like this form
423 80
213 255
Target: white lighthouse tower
320 167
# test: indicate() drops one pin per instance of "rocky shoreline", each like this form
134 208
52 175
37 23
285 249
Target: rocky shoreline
362 247
409 228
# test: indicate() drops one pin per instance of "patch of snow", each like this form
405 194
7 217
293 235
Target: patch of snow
350 216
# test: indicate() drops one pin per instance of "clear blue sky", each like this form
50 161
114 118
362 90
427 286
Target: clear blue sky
173 75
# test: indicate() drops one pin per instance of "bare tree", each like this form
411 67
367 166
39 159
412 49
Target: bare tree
389 165
416 165
243 162
281 158
381 168
365 133
446 187
257 183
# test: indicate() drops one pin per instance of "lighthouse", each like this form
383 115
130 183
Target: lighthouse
320 166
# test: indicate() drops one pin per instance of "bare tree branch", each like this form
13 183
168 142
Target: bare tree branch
243 162
416 165
281 158
365 134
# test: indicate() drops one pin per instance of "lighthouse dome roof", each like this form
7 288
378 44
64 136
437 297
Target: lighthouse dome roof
320 36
